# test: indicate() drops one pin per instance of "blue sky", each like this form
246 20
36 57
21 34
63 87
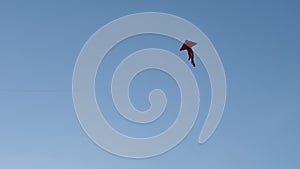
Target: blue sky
256 40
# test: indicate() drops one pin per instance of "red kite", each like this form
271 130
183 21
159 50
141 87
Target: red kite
187 45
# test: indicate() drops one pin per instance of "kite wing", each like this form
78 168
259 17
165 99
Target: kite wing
190 43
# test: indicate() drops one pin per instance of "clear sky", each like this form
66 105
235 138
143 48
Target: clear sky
257 42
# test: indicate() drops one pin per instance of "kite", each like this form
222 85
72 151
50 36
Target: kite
187 45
